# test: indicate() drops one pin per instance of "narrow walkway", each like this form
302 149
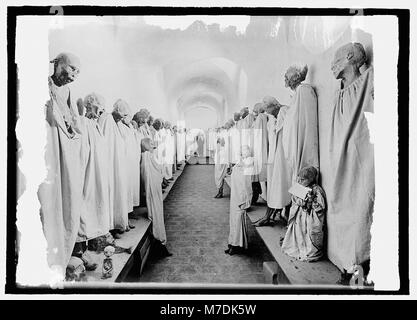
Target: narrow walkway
197 230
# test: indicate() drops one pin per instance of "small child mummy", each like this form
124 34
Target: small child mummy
304 237
108 262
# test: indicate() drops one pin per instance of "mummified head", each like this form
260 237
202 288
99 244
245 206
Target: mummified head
272 105
146 144
295 75
244 112
259 108
351 55
167 125
158 124
66 68
94 105
150 120
236 116
307 176
121 111
141 116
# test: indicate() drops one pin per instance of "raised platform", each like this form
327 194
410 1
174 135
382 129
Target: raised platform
138 239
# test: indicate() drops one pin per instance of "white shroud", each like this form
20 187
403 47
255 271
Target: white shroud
152 179
280 176
169 153
132 164
95 215
118 180
60 195
272 136
260 145
300 134
234 144
240 200
221 161
180 146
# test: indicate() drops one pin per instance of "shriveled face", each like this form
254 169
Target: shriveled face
94 111
147 145
157 124
140 117
340 61
120 115
291 77
109 251
272 110
244 112
304 181
121 112
67 68
307 176
258 108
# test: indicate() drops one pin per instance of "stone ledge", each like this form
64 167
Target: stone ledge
138 239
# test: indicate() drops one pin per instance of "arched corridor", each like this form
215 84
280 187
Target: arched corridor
164 153
197 229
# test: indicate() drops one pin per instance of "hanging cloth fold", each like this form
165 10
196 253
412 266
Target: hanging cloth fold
352 189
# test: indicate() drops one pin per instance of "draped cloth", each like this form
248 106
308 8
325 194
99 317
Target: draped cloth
221 161
280 178
132 164
95 214
159 147
152 131
200 139
175 146
137 138
191 142
60 195
246 131
240 200
234 144
300 132
180 146
152 179
304 237
212 137
272 136
260 146
169 153
145 131
117 172
352 191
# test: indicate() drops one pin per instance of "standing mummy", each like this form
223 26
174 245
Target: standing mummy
300 132
60 195
352 191
298 143
260 146
151 175
132 153
95 216
118 178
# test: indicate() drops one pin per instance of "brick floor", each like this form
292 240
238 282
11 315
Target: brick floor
197 228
